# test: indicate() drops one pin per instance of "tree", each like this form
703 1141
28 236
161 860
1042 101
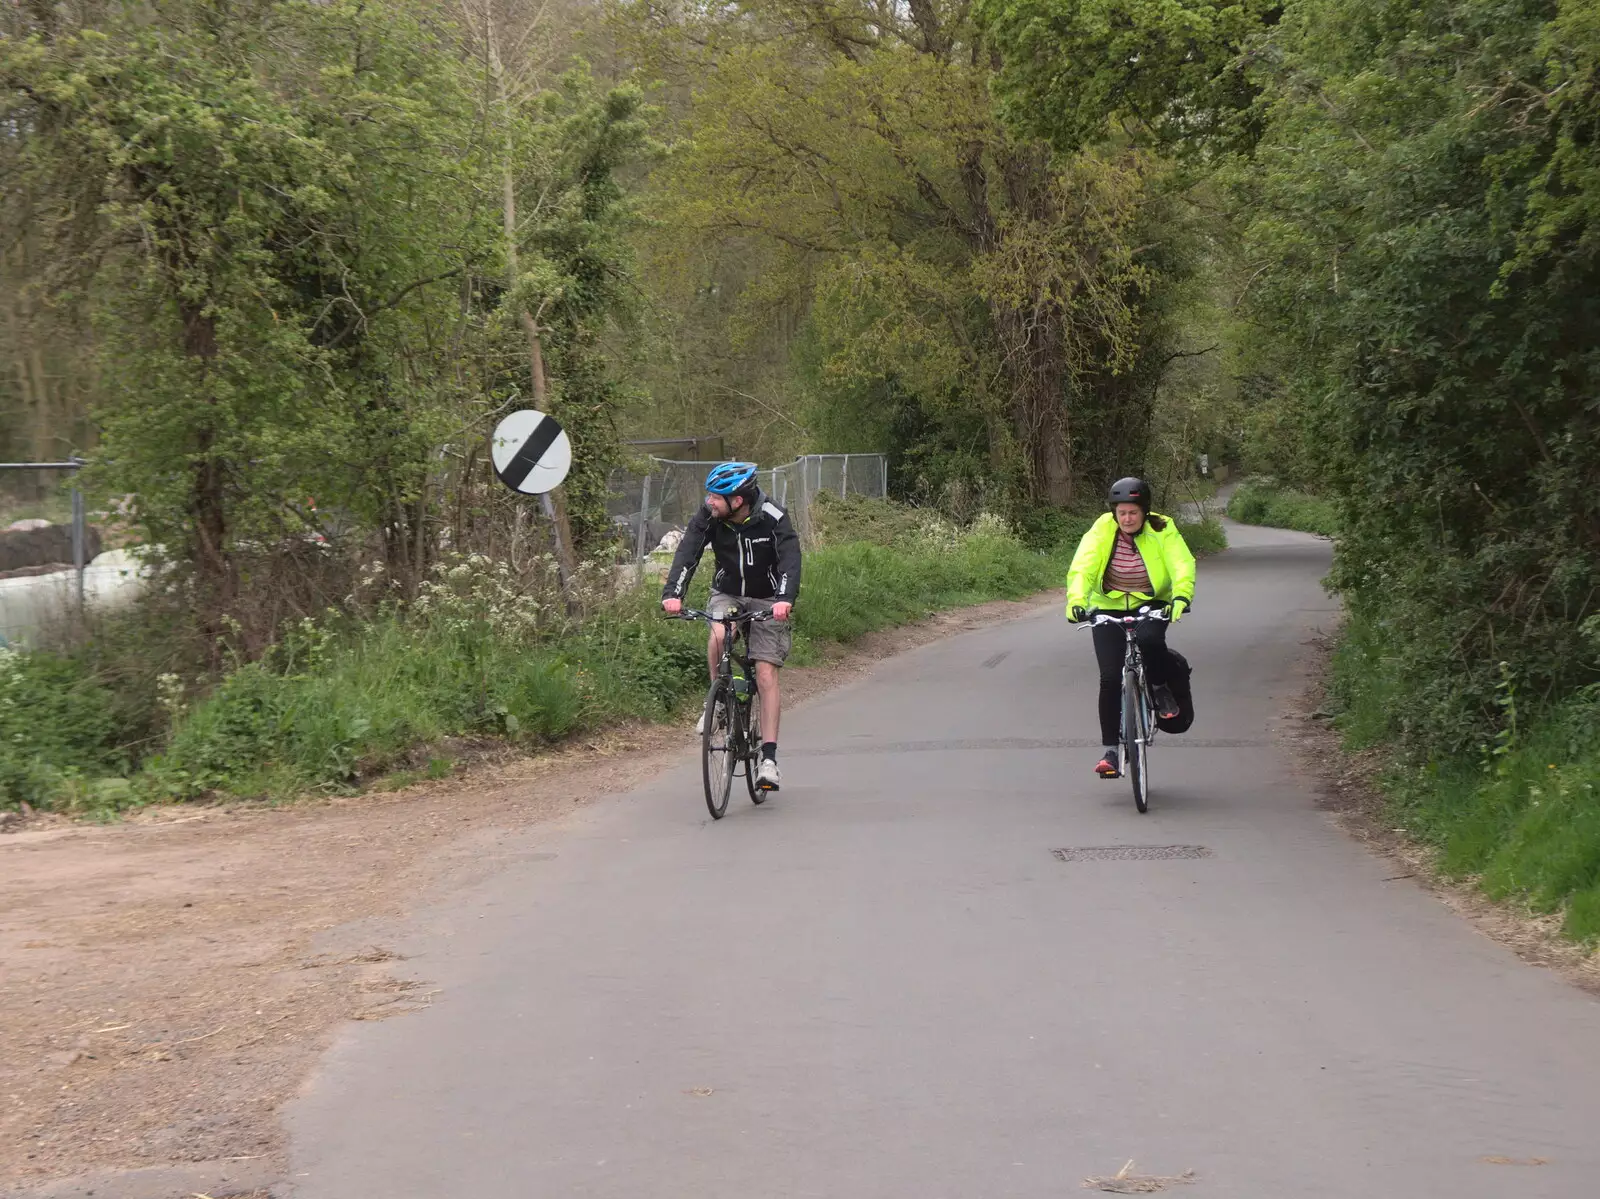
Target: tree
1172 73
938 255
1417 220
563 216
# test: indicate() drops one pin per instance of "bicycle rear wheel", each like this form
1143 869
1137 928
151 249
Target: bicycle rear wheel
752 761
716 749
1136 742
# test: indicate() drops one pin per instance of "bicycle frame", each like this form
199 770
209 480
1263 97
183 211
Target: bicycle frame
732 632
1133 658
1138 726
743 712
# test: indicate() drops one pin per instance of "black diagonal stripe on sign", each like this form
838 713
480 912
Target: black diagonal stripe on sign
524 460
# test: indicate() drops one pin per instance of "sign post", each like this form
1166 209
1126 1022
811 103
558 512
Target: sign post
532 454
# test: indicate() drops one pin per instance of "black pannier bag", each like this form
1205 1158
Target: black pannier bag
1182 692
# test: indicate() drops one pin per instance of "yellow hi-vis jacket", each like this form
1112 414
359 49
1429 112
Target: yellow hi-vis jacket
1165 554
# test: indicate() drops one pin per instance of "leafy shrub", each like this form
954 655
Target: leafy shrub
1045 528
837 521
1204 536
1264 503
850 590
1518 807
57 723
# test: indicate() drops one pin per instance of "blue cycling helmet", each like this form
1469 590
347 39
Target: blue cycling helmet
731 478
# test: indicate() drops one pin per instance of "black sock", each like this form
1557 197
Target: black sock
769 750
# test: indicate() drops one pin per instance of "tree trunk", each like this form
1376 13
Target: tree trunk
1036 376
214 566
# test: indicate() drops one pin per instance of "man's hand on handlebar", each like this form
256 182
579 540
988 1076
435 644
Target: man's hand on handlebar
781 610
675 608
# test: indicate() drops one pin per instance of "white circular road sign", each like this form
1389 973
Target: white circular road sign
531 452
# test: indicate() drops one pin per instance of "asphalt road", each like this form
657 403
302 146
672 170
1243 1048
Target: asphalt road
884 983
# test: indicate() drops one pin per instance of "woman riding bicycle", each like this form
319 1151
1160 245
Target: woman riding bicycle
1130 558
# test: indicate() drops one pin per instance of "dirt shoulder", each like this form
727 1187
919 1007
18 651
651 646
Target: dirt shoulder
166 983
1347 788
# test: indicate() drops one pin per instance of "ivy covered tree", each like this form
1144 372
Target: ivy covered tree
1169 73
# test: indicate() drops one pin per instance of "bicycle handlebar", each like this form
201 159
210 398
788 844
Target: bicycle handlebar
726 618
1124 618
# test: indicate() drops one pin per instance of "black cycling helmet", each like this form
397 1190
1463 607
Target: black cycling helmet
1131 491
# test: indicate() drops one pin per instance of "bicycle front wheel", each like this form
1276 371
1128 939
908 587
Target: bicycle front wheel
1136 742
716 749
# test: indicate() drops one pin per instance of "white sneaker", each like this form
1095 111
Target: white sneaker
767 777
700 725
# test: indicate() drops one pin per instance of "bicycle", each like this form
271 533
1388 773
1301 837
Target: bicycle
1138 712
732 729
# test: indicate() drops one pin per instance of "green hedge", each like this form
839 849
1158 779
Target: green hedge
1519 812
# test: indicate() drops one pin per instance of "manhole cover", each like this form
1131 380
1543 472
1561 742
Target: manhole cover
1130 853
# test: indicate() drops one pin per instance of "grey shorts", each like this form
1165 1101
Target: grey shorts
769 640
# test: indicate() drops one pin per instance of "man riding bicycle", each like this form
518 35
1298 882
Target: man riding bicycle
757 554
1130 558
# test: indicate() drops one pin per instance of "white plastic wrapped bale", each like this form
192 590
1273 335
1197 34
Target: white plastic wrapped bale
27 604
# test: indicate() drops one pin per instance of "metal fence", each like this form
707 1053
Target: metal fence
652 505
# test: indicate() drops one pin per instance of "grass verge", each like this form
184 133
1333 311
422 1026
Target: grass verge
1520 816
1260 502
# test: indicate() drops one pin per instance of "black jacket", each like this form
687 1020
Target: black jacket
759 558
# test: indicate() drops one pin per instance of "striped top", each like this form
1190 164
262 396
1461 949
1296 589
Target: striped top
1126 570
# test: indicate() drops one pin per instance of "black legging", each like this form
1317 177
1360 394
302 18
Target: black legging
1108 649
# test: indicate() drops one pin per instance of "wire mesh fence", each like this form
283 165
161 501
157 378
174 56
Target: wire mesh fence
36 600
662 501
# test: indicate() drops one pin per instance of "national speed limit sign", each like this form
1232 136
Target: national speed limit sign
531 452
